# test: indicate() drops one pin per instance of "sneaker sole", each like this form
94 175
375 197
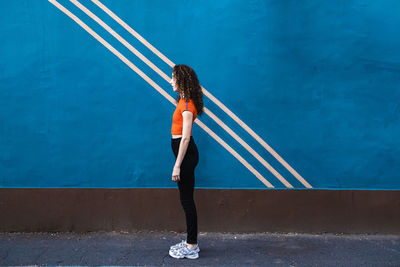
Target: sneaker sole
192 257
197 251
175 247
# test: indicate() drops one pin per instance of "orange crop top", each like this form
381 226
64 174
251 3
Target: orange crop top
177 118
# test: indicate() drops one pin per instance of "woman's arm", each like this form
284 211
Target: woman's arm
186 130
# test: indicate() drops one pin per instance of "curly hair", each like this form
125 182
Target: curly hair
188 83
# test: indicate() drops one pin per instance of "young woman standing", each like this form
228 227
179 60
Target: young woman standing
190 104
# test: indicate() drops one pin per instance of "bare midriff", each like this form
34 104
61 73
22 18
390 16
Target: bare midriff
174 136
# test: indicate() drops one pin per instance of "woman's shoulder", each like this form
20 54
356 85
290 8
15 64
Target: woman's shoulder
192 106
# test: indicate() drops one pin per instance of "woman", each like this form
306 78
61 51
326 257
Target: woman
190 104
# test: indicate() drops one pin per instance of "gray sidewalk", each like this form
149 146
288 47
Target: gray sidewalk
217 249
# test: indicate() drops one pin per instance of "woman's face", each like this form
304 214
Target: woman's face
173 84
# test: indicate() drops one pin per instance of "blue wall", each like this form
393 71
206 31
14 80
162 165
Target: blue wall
317 80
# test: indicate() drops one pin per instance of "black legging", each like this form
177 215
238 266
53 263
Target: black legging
186 186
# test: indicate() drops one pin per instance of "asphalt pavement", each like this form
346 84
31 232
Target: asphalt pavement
148 248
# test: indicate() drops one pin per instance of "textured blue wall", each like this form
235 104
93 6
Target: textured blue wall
317 80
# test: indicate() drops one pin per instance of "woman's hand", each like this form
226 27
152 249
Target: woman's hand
176 174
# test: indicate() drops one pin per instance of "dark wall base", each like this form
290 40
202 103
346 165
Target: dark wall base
219 210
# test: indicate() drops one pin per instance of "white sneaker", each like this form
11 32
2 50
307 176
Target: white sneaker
185 252
181 244
178 245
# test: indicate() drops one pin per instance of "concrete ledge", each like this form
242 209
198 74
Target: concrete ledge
219 210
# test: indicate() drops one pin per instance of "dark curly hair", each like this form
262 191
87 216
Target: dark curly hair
187 82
